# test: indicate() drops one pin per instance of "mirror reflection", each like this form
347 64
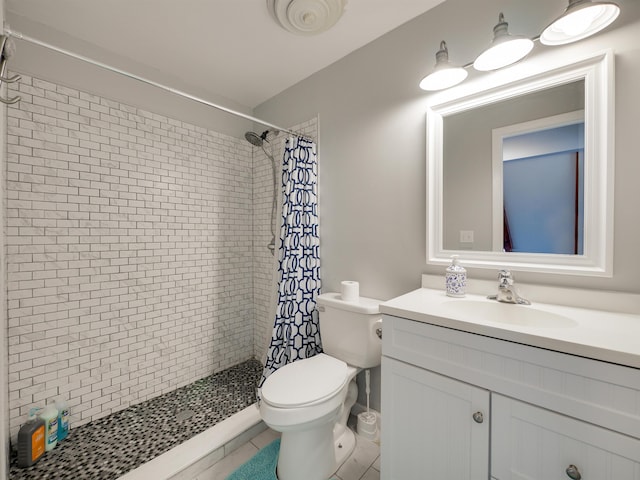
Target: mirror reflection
513 174
548 109
542 185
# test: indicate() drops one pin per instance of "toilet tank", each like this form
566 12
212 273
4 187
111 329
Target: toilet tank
348 329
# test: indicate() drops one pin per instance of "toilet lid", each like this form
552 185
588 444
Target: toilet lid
305 381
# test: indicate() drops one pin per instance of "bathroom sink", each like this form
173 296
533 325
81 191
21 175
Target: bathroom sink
496 312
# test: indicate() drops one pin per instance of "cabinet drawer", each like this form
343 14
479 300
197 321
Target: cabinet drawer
531 443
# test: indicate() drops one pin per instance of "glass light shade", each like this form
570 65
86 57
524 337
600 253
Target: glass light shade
581 19
505 49
444 74
443 78
503 54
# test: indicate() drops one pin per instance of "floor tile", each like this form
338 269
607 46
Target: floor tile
112 446
363 464
376 464
372 474
360 460
265 438
228 464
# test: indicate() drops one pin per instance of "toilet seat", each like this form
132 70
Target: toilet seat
305 382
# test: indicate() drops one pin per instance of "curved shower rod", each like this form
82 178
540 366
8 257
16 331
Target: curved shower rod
175 91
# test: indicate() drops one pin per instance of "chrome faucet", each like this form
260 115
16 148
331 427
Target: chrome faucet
507 291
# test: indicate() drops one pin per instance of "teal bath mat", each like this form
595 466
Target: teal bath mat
262 466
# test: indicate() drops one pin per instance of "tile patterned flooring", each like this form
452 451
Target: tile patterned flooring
109 447
363 464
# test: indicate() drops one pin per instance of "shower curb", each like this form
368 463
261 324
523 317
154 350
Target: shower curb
185 461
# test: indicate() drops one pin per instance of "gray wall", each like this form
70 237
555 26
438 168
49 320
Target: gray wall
64 70
372 145
372 149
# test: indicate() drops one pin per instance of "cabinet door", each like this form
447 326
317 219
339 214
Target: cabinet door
428 426
531 443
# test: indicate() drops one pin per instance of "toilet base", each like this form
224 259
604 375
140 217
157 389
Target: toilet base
307 455
320 464
344 444
344 439
316 450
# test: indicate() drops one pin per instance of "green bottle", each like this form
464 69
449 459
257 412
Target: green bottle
50 417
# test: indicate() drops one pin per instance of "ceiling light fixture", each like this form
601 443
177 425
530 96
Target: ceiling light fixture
506 49
581 19
444 74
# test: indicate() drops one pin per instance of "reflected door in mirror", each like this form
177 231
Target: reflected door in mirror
543 185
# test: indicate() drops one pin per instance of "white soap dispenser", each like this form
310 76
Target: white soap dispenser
455 278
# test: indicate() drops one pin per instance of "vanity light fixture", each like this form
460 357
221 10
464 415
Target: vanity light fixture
505 49
444 74
581 19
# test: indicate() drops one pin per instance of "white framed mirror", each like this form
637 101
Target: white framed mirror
549 128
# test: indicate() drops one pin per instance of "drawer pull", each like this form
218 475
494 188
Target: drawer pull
478 417
573 473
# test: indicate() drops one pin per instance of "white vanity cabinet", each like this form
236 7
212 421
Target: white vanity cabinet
430 427
546 415
533 443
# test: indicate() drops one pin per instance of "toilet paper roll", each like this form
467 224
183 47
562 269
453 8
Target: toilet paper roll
350 291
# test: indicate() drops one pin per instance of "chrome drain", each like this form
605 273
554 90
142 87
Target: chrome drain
184 415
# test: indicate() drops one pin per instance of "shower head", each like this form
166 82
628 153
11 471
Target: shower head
255 139
258 140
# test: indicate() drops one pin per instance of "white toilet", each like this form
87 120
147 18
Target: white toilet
309 400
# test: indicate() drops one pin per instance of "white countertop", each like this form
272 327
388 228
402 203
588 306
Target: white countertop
608 336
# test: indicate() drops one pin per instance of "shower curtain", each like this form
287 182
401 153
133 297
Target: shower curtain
296 333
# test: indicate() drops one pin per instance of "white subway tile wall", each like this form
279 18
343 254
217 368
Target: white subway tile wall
130 245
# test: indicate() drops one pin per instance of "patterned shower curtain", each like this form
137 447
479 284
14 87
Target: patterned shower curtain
296 333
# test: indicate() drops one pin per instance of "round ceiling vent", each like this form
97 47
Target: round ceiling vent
306 17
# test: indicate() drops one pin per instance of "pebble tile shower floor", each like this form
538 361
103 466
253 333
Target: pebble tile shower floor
109 447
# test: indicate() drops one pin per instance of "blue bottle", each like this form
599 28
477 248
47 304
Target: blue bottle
63 419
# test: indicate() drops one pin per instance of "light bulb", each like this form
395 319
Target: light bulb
505 49
578 22
444 74
444 78
581 19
